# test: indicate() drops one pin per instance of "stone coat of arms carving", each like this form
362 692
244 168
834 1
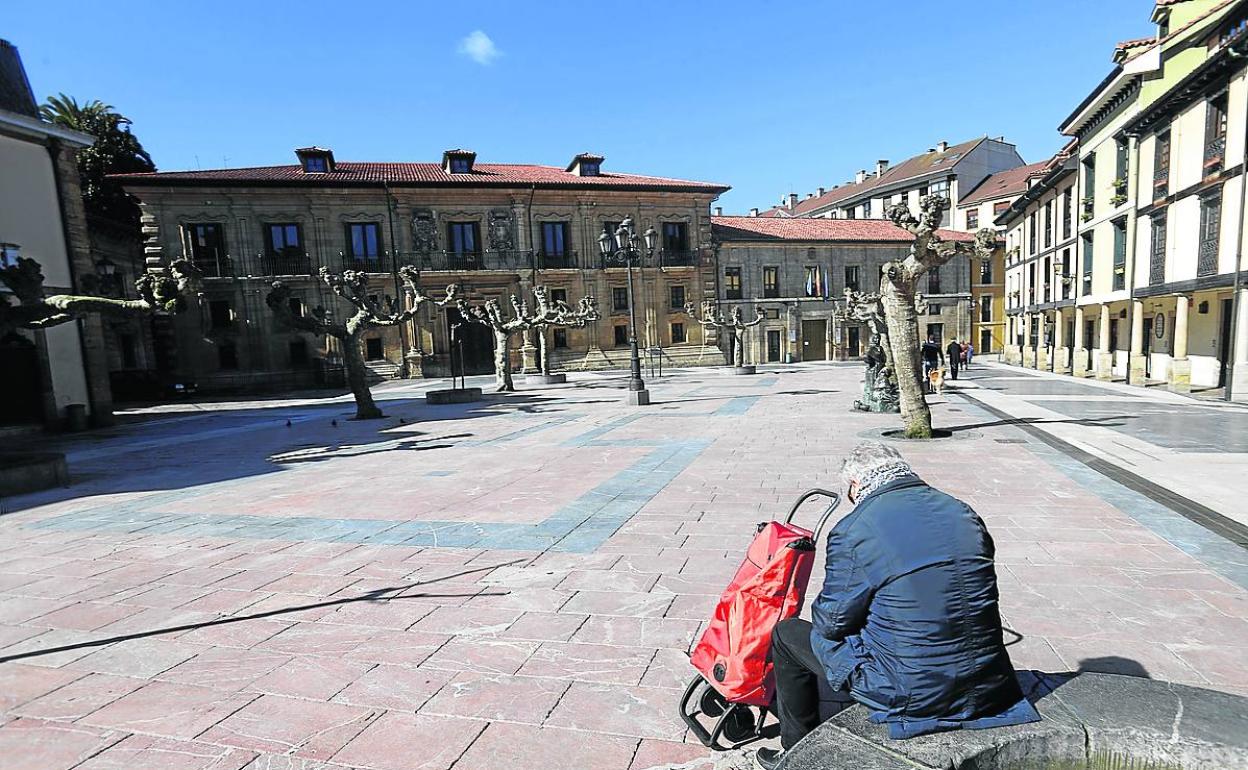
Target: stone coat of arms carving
500 231
424 230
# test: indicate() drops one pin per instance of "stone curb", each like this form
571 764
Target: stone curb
1112 720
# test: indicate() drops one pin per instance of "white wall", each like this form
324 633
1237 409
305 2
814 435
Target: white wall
29 210
30 217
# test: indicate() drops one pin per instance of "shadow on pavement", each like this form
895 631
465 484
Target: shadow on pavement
175 455
1102 422
380 594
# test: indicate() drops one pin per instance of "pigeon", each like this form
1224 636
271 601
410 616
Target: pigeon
334 422
287 423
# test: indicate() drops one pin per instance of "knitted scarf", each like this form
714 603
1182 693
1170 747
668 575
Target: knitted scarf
882 475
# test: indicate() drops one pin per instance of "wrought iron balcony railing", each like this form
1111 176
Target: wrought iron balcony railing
467 261
677 258
568 260
1157 267
1207 257
370 263
308 264
1215 153
1161 183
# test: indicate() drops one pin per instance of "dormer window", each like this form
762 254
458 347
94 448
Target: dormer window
315 160
586 164
458 161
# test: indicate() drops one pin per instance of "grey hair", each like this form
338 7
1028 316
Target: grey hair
872 465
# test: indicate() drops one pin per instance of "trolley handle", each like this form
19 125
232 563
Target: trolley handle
836 501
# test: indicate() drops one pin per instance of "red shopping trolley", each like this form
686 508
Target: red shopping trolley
734 684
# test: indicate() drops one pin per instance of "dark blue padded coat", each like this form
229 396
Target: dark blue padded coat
908 617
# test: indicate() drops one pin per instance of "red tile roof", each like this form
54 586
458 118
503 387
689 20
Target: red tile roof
907 169
1002 184
347 173
812 229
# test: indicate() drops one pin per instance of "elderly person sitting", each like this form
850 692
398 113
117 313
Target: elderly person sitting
907 620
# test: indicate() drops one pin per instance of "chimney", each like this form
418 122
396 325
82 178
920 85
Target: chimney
792 200
861 176
809 196
753 212
942 146
821 191
880 167
719 211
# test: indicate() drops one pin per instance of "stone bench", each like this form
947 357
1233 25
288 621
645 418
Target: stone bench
1090 721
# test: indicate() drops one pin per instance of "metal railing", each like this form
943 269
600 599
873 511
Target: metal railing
467 261
1215 152
308 264
1161 182
1207 257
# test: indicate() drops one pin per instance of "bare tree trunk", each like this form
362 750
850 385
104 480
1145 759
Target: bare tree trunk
357 379
543 350
502 362
897 294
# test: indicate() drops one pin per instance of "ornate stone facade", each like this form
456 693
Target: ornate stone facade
493 238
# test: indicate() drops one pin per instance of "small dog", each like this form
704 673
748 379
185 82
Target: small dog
936 380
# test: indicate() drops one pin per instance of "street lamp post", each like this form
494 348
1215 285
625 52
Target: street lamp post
627 248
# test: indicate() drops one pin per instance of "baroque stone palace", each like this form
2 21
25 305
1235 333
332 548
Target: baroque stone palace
494 229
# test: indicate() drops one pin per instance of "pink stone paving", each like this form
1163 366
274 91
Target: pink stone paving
308 647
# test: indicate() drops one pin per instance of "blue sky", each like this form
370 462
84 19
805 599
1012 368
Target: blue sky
768 97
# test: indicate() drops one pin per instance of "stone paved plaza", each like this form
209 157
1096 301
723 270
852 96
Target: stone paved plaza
513 584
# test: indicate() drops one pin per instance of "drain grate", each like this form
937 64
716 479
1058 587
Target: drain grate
1010 440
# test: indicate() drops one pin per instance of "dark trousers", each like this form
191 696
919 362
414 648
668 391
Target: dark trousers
798 677
953 369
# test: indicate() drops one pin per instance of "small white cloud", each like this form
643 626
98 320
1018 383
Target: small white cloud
478 47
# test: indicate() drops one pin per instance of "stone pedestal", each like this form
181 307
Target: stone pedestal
1181 375
1061 363
748 369
1042 359
1104 365
453 396
1079 363
558 378
1029 357
638 398
1239 384
1136 369
1011 354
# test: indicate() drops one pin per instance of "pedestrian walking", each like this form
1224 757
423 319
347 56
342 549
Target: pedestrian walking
970 354
932 359
954 353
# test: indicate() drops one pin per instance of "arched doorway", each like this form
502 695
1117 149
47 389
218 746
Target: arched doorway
477 346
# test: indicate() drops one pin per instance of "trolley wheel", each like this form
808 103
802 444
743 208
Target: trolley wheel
739 725
710 701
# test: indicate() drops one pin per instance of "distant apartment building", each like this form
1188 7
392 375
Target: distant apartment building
974 169
977 210
792 270
494 229
1159 183
57 376
1040 256
950 171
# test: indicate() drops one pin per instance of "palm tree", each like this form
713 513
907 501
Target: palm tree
115 151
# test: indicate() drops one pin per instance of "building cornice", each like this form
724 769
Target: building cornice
1204 79
27 127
